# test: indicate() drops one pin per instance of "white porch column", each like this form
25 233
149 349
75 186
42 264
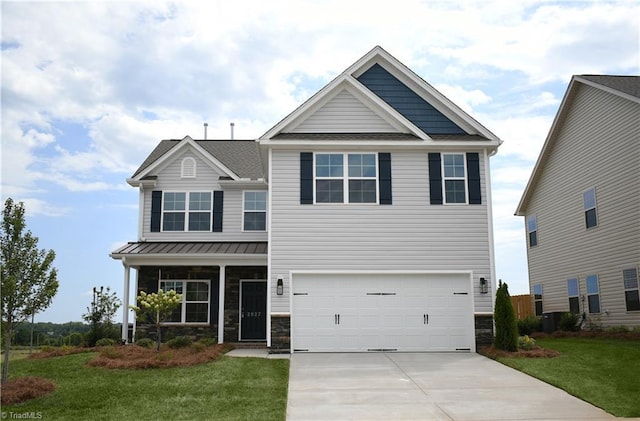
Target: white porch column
221 283
125 303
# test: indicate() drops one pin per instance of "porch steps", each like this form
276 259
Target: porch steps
248 345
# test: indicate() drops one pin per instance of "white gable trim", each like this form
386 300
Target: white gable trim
185 143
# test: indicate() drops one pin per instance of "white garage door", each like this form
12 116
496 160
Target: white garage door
382 312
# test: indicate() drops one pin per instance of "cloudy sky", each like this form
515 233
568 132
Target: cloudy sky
89 88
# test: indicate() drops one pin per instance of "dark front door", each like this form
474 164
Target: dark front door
253 311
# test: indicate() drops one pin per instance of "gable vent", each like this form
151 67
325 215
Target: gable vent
188 168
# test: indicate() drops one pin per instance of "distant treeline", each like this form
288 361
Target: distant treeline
50 334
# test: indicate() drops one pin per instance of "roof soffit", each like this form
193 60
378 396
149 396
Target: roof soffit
186 143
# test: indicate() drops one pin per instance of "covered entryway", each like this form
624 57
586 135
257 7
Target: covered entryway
357 312
253 310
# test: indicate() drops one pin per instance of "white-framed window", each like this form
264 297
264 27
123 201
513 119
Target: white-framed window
537 299
593 294
357 183
188 168
631 289
532 230
195 300
186 211
254 214
590 213
573 291
454 180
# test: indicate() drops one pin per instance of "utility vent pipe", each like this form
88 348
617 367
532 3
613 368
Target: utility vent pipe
232 124
205 131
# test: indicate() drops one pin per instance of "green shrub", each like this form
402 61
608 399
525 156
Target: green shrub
526 342
180 342
529 325
505 320
105 342
569 322
618 329
208 341
146 342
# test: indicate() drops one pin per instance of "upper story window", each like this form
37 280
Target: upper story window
593 294
188 168
532 230
573 290
590 214
186 209
255 211
195 300
537 299
358 183
631 291
454 178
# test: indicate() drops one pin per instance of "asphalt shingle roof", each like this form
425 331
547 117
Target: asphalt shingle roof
628 84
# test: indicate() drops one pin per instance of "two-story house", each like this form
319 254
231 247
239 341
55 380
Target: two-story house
360 222
582 205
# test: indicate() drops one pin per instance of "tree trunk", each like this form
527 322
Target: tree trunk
7 347
158 337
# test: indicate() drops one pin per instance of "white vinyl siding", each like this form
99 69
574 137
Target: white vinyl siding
598 131
169 179
411 234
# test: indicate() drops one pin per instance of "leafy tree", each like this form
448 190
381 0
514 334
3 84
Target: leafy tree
29 280
100 314
158 307
505 320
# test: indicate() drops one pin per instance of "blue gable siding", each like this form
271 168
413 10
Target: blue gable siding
407 102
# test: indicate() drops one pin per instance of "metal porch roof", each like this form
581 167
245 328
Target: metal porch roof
189 248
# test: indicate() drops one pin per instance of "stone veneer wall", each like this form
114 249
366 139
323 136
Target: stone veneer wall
484 330
280 333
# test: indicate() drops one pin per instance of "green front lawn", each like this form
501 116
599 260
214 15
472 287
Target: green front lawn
226 389
604 372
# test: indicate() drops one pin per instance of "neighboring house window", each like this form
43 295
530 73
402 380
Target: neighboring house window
188 168
195 300
590 214
532 230
573 291
358 184
631 293
454 180
255 211
593 294
537 299
182 209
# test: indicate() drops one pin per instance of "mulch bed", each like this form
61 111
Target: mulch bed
536 352
24 388
137 357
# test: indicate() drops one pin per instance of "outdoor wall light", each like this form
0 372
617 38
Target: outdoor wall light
280 287
484 286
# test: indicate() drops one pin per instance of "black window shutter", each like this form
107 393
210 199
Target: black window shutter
218 205
473 178
435 179
384 167
306 178
156 210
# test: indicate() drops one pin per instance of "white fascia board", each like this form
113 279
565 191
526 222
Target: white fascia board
492 145
187 141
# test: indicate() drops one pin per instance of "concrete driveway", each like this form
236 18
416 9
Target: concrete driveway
429 386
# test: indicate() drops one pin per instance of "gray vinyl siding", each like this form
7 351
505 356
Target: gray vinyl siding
597 146
206 180
410 234
344 114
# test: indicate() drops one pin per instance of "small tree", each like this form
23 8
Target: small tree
29 280
505 320
100 314
158 307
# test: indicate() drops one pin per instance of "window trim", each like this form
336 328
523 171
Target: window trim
245 211
530 231
465 179
591 294
345 178
186 211
593 208
183 306
575 296
636 289
537 300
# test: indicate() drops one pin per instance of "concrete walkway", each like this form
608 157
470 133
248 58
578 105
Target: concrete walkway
430 386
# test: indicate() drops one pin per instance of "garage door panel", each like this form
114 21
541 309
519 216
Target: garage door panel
343 313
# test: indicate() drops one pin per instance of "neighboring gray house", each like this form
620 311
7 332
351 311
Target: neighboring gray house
360 222
582 205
